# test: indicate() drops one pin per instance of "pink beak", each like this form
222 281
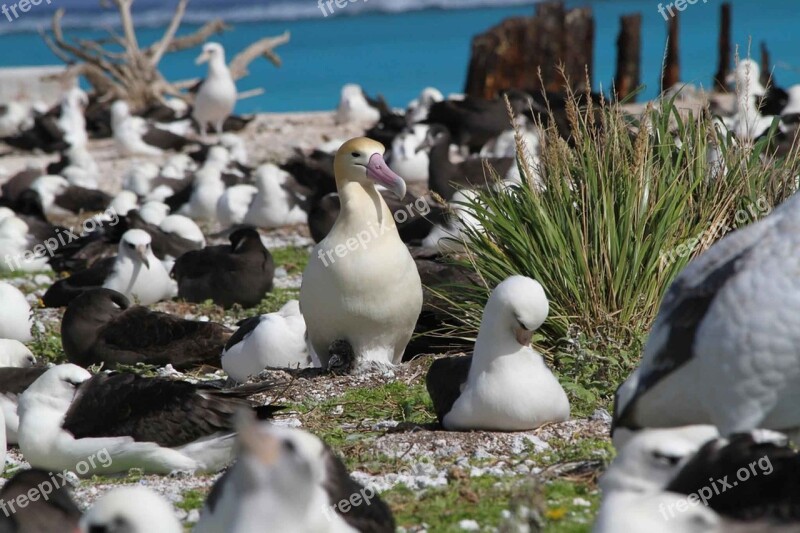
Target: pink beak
379 172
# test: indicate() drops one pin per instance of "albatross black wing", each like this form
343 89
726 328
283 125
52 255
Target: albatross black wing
63 291
444 381
161 410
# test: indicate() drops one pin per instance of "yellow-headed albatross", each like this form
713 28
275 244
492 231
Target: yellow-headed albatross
361 289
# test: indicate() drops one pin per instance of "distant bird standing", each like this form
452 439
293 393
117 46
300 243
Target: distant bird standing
365 297
216 96
505 385
241 273
101 327
288 480
156 424
274 340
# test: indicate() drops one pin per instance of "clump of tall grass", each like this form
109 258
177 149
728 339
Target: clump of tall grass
619 213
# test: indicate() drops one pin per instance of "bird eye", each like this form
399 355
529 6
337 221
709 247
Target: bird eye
130 245
669 460
356 154
289 446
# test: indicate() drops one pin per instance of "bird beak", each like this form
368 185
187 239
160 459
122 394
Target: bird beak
379 172
141 251
523 336
202 58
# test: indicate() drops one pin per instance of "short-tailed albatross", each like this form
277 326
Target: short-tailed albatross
361 288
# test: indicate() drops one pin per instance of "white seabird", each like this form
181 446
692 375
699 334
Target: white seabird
354 107
418 109
407 161
132 509
156 424
208 186
124 202
508 387
368 295
183 227
274 340
723 349
290 480
17 244
129 130
275 204
216 96
14 354
154 212
234 203
72 121
139 177
15 313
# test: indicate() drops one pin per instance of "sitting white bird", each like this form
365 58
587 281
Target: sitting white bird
159 425
291 481
418 109
234 204
139 178
354 107
183 227
72 121
723 349
17 244
361 289
154 212
14 354
124 202
277 202
147 286
407 161
216 96
505 385
274 340
748 123
15 313
132 509
208 186
128 131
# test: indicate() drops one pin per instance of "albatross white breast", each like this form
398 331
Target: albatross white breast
361 285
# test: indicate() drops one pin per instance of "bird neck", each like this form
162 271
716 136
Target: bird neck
495 341
440 169
217 68
362 206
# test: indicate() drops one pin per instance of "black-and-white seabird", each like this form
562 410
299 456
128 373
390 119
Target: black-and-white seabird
279 200
130 509
240 273
723 348
135 136
53 510
15 354
418 108
505 385
100 326
274 340
15 314
234 204
135 272
60 197
206 189
365 293
124 421
216 97
288 480
355 107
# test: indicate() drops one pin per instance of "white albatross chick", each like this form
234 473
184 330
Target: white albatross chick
275 204
14 354
15 314
354 107
132 509
128 131
137 272
274 340
216 97
509 387
368 295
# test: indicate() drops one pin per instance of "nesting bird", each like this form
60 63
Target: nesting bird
354 107
274 340
361 289
132 509
101 327
15 314
216 96
156 424
288 480
505 385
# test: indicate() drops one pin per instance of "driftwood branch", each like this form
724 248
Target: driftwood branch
264 47
199 37
160 48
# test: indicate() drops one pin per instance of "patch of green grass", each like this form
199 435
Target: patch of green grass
46 345
274 301
566 510
192 499
293 259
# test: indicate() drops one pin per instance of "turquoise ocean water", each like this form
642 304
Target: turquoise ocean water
398 47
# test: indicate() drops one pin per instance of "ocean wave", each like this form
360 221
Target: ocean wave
85 14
